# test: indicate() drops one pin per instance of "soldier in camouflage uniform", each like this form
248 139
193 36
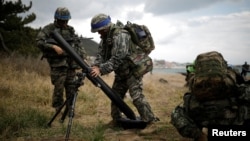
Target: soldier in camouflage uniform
192 116
113 53
62 67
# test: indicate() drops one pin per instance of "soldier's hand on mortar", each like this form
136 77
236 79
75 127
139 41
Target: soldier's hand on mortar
58 50
95 71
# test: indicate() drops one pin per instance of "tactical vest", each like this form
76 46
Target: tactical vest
64 60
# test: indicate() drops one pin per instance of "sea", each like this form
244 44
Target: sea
182 70
169 70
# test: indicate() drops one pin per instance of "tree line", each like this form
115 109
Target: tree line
15 35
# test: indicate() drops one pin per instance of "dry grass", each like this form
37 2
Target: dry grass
25 86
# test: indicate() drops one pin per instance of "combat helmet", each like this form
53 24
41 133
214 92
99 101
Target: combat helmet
62 13
99 22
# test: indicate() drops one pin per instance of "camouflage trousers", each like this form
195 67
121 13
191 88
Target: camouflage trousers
134 86
63 79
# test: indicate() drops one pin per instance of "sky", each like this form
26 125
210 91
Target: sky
182 29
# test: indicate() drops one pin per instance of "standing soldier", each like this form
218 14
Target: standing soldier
62 67
245 69
112 56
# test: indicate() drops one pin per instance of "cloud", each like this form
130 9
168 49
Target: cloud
159 7
181 28
227 34
163 7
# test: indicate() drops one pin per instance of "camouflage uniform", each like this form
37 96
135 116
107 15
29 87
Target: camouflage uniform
191 116
113 55
62 67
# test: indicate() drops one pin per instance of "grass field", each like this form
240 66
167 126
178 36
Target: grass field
25 106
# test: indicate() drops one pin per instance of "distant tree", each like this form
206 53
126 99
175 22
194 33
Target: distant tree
16 36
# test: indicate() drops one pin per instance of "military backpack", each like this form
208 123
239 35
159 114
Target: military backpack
139 58
141 36
212 78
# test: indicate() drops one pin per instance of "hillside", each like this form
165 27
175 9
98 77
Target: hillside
90 46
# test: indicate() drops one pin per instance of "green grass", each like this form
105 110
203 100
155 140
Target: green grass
25 105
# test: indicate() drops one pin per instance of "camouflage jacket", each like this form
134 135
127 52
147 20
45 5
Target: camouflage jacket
191 115
213 112
45 42
114 51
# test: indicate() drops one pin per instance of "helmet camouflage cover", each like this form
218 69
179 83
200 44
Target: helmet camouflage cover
99 22
62 13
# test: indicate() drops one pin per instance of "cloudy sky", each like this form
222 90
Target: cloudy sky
182 29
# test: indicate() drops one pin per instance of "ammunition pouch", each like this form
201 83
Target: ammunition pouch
141 64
